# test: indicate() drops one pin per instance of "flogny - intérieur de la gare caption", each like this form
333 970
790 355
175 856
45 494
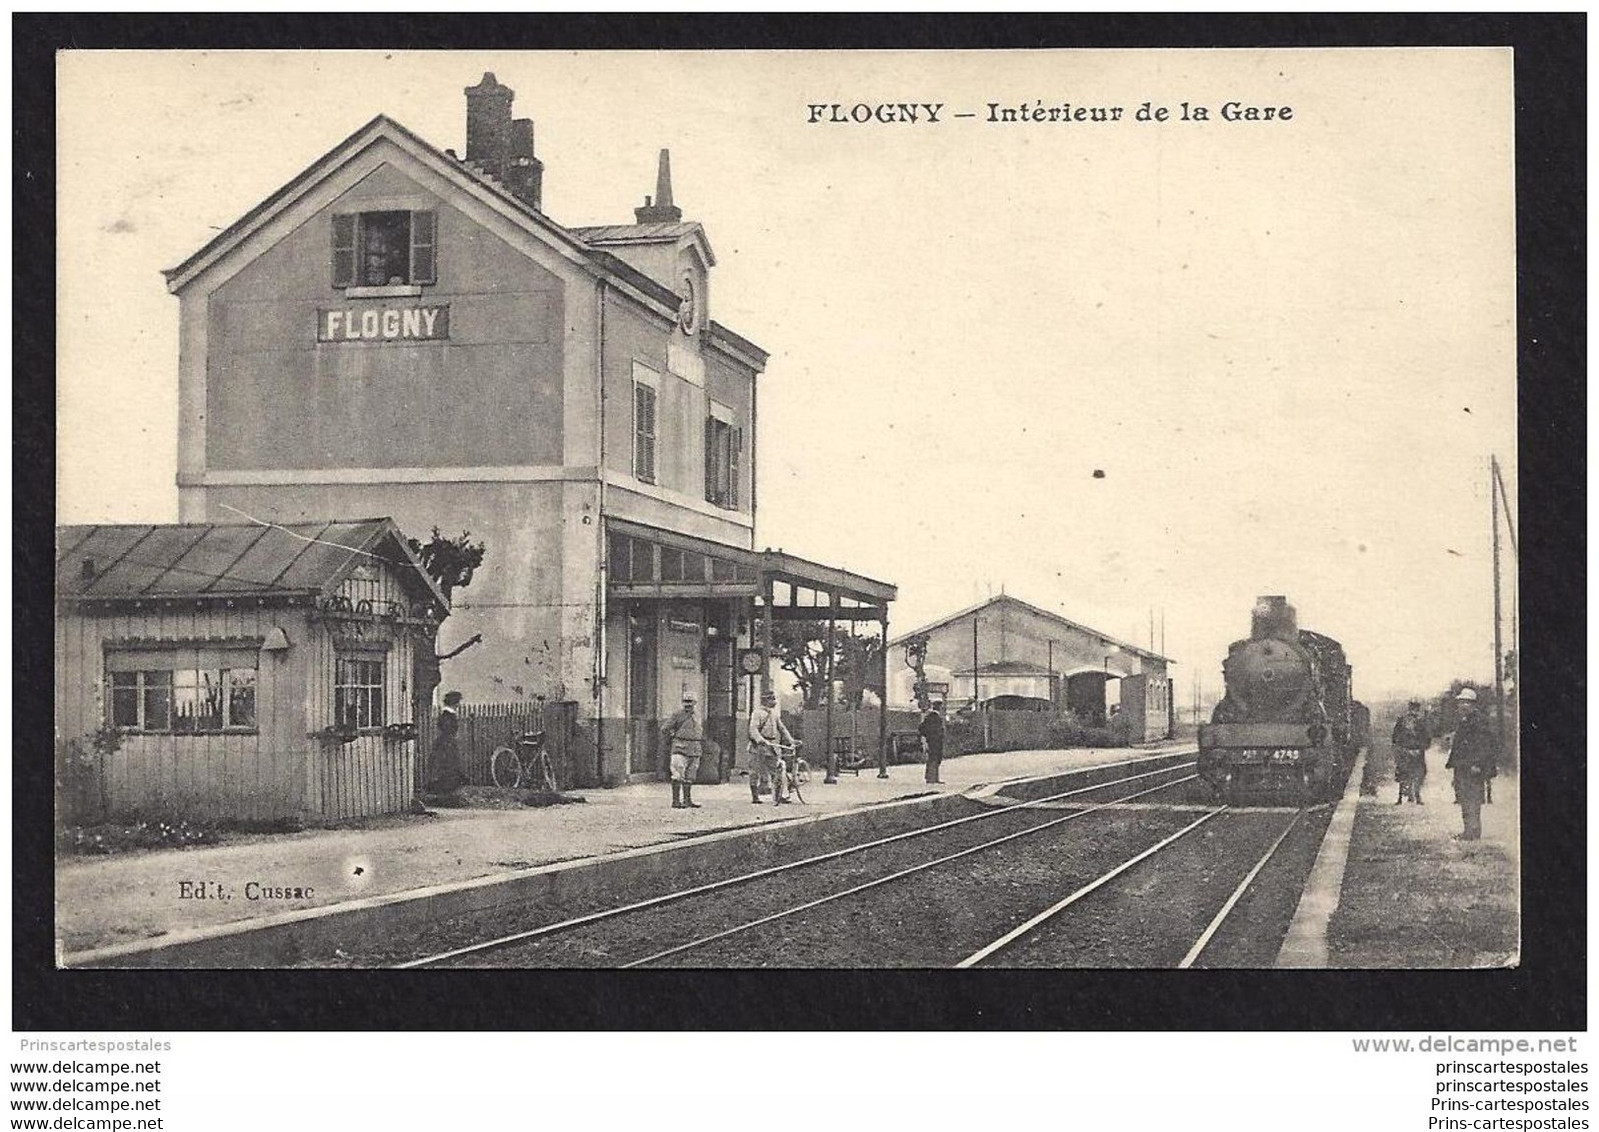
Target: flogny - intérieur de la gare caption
934 113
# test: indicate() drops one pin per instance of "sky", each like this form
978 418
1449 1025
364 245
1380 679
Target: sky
1106 367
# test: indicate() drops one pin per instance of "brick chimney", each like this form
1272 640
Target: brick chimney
663 211
524 173
488 124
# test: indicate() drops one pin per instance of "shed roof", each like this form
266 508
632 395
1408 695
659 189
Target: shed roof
213 560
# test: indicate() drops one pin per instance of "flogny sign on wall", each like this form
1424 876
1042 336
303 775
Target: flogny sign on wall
405 324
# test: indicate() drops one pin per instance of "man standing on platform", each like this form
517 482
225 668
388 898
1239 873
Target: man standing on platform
1410 740
686 736
1473 758
931 730
768 737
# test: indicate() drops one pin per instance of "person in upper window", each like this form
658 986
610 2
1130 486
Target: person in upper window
931 729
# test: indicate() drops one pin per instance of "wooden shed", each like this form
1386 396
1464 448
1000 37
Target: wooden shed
240 672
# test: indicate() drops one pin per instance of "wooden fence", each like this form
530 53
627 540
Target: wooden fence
487 726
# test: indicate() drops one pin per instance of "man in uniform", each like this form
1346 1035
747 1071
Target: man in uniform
1474 760
931 730
686 736
1410 741
768 737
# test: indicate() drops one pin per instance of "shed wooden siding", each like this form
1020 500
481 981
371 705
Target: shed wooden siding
370 774
243 776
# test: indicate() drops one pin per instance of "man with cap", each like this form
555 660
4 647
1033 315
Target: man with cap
686 736
1410 741
1473 758
768 737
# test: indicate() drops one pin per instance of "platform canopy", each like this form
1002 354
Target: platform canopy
649 562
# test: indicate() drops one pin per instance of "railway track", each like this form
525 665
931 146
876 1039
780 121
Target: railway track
1170 774
935 895
1050 916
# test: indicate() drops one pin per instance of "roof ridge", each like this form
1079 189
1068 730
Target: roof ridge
1126 646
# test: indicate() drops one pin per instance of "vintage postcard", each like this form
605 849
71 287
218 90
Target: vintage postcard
787 509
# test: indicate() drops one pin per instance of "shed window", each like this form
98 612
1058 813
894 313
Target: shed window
378 249
358 691
177 699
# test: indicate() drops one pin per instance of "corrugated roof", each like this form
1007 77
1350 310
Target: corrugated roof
222 559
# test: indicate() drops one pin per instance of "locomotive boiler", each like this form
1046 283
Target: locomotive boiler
1287 726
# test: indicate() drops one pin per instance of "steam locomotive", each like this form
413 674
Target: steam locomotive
1288 725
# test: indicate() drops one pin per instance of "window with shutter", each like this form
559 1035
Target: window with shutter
644 432
722 443
387 248
712 494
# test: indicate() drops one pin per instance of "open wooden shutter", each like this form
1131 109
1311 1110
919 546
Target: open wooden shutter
423 252
734 456
711 486
344 249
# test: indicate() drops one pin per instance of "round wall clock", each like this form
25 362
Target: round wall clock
688 313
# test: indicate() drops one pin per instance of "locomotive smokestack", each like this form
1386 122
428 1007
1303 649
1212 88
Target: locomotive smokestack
1273 617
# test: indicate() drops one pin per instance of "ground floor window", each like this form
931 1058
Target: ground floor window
358 691
181 690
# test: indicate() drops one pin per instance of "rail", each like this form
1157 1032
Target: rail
572 923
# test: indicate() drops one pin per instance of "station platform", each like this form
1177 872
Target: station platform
1410 893
121 899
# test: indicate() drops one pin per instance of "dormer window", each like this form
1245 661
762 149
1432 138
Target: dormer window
392 248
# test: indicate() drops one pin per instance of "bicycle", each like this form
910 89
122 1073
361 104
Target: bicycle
528 762
796 771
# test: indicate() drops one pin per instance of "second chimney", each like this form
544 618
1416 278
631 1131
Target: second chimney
488 124
524 173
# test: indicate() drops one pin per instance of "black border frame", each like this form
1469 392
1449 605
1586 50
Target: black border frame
1547 992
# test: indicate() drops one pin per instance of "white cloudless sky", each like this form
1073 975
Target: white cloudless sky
1288 346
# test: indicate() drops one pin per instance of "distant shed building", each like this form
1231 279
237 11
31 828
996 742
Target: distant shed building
1006 653
240 672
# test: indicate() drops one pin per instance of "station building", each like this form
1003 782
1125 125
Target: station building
400 331
1005 652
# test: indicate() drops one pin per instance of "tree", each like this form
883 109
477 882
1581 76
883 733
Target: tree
450 562
858 662
801 650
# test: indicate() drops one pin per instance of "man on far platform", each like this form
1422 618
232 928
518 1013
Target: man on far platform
1474 758
1410 740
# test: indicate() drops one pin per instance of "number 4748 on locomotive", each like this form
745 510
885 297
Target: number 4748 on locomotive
1288 727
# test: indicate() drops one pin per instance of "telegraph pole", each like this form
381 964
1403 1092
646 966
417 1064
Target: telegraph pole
1499 655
